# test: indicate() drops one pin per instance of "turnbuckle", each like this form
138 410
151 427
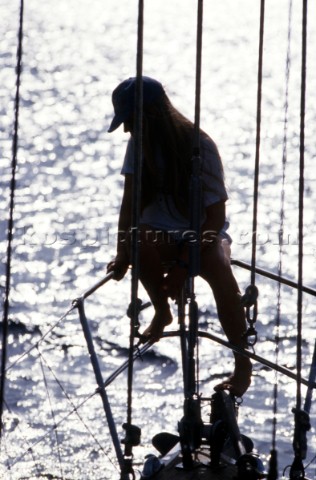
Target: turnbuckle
250 301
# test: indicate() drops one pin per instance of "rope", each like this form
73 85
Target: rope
5 321
273 464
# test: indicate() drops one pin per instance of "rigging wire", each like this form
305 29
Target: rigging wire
5 321
300 420
258 140
136 199
26 441
195 181
249 299
75 409
130 439
198 76
301 203
195 204
40 340
73 306
273 466
56 426
52 413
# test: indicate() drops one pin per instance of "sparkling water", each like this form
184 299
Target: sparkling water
67 201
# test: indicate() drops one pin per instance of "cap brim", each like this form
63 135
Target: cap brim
118 119
116 122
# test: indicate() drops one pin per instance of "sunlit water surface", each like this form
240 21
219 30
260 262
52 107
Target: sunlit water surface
66 208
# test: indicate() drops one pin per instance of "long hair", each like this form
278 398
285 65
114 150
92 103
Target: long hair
169 134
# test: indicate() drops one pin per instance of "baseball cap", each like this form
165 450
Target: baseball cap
123 98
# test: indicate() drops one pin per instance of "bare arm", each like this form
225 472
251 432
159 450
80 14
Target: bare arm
125 217
215 218
120 264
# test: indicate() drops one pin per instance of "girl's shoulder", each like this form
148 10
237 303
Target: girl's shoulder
208 146
210 157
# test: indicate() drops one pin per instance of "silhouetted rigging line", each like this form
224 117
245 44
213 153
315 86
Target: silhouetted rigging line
136 202
75 409
301 203
301 422
5 321
258 140
273 463
52 414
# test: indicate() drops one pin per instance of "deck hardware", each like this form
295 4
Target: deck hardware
190 428
250 467
250 301
152 466
302 426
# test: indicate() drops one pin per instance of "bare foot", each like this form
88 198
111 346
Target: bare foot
239 381
162 318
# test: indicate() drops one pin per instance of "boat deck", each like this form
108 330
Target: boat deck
173 469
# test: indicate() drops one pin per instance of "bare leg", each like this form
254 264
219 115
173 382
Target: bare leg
152 277
216 270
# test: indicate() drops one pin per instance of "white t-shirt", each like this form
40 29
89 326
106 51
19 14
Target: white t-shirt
162 214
